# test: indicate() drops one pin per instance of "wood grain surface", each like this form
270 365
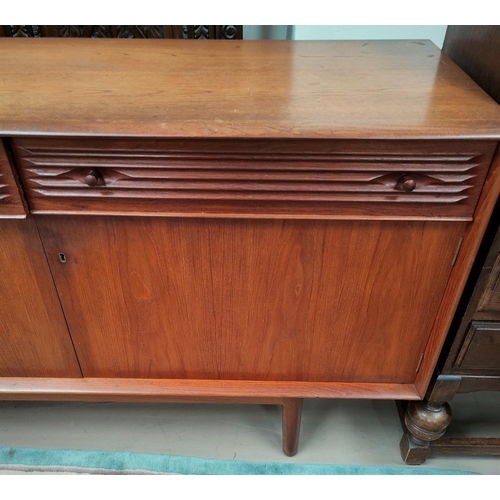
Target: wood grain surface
255 178
467 446
476 339
458 278
470 383
470 358
481 349
34 339
165 390
475 50
11 201
291 417
250 300
262 88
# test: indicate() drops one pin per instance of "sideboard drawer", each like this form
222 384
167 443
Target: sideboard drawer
489 302
245 178
481 348
11 202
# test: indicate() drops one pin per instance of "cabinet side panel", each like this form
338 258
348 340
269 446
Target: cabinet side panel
34 337
458 278
349 301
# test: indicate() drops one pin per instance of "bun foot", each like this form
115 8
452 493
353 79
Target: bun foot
425 422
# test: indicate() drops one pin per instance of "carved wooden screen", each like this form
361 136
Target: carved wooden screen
200 32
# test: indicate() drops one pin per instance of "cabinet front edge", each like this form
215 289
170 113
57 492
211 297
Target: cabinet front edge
164 390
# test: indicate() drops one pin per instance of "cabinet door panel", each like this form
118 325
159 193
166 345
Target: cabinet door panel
33 334
250 299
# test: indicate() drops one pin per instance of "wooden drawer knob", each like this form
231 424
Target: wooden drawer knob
93 178
406 183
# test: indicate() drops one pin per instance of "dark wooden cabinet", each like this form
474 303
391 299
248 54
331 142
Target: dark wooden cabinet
470 360
195 32
251 221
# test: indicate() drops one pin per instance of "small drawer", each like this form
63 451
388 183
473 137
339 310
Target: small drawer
481 348
11 201
251 178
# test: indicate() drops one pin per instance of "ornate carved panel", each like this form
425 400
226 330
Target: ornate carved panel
18 31
199 32
147 31
70 31
231 32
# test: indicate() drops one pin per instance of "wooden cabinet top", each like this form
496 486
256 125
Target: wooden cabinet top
239 89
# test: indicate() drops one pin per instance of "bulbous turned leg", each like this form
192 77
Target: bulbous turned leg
425 422
292 414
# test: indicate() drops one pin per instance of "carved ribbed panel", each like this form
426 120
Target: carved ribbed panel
11 205
298 178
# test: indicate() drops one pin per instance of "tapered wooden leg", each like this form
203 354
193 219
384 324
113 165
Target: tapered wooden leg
292 413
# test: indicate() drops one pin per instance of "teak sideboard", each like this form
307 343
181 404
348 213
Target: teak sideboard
245 221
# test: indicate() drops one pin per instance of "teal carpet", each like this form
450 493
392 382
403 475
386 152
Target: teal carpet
110 462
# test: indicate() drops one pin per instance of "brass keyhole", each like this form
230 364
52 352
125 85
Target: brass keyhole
62 258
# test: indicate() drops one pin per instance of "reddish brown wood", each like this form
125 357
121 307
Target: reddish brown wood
94 178
164 390
480 322
364 89
406 183
461 270
33 335
292 414
390 138
11 201
249 300
310 179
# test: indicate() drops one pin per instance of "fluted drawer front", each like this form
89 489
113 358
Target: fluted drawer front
296 178
11 203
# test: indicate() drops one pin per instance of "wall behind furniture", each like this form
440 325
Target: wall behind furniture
340 32
305 32
264 32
